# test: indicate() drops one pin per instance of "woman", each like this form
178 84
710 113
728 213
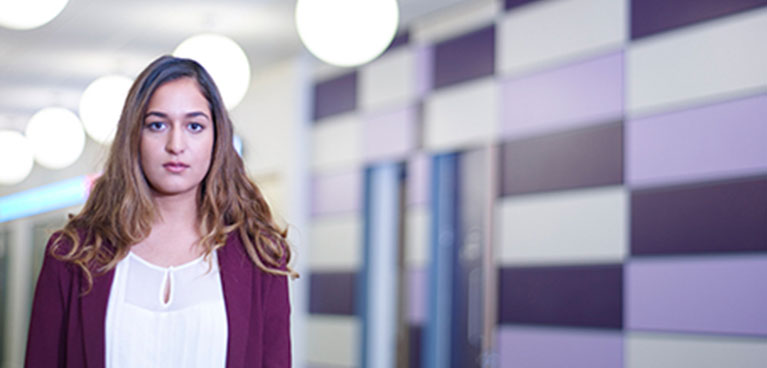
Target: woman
175 260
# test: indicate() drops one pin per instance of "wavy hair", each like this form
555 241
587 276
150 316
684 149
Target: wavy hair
120 211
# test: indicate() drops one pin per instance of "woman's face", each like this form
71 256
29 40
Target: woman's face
176 138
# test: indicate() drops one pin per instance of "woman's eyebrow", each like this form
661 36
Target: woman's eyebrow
188 115
155 113
196 114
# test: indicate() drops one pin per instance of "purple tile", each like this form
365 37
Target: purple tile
509 4
579 296
336 192
712 217
424 56
416 291
335 96
575 95
390 135
710 295
587 157
466 57
531 347
653 16
418 179
332 293
710 142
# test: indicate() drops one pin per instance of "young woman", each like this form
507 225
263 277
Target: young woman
175 260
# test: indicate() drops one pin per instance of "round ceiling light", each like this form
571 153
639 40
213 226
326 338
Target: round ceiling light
57 137
224 60
346 32
16 157
101 105
29 14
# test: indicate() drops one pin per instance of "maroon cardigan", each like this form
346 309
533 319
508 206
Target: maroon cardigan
67 330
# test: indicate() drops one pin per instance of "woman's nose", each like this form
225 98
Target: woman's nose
175 144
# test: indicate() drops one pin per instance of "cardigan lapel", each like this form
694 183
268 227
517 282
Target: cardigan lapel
236 280
93 308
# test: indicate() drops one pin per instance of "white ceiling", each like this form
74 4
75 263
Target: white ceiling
53 64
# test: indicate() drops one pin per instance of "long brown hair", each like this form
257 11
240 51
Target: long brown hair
120 211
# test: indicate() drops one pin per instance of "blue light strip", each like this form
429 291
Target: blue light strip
379 272
437 350
63 194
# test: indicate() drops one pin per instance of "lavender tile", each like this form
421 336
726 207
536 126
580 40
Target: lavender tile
332 293
335 96
710 142
531 347
711 217
578 296
723 295
338 192
468 56
649 17
424 55
391 134
586 157
584 93
418 179
416 290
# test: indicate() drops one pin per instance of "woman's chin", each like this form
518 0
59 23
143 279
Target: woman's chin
173 190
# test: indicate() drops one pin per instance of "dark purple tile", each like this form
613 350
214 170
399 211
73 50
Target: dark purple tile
711 217
415 336
400 39
587 157
332 293
466 57
581 296
653 16
508 4
335 96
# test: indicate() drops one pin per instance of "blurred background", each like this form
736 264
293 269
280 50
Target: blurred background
550 183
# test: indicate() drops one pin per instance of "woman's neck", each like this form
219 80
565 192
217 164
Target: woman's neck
175 235
177 211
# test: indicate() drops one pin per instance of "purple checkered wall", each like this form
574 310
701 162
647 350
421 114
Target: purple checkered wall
631 215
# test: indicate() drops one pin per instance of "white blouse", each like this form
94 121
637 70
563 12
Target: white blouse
142 330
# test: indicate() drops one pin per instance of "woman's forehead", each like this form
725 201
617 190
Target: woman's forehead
181 95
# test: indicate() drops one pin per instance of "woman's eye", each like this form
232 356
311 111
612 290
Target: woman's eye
195 127
156 125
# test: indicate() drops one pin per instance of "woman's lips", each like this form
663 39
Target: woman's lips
175 167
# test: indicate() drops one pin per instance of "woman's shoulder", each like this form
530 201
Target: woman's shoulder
63 240
236 249
58 246
69 245
59 243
